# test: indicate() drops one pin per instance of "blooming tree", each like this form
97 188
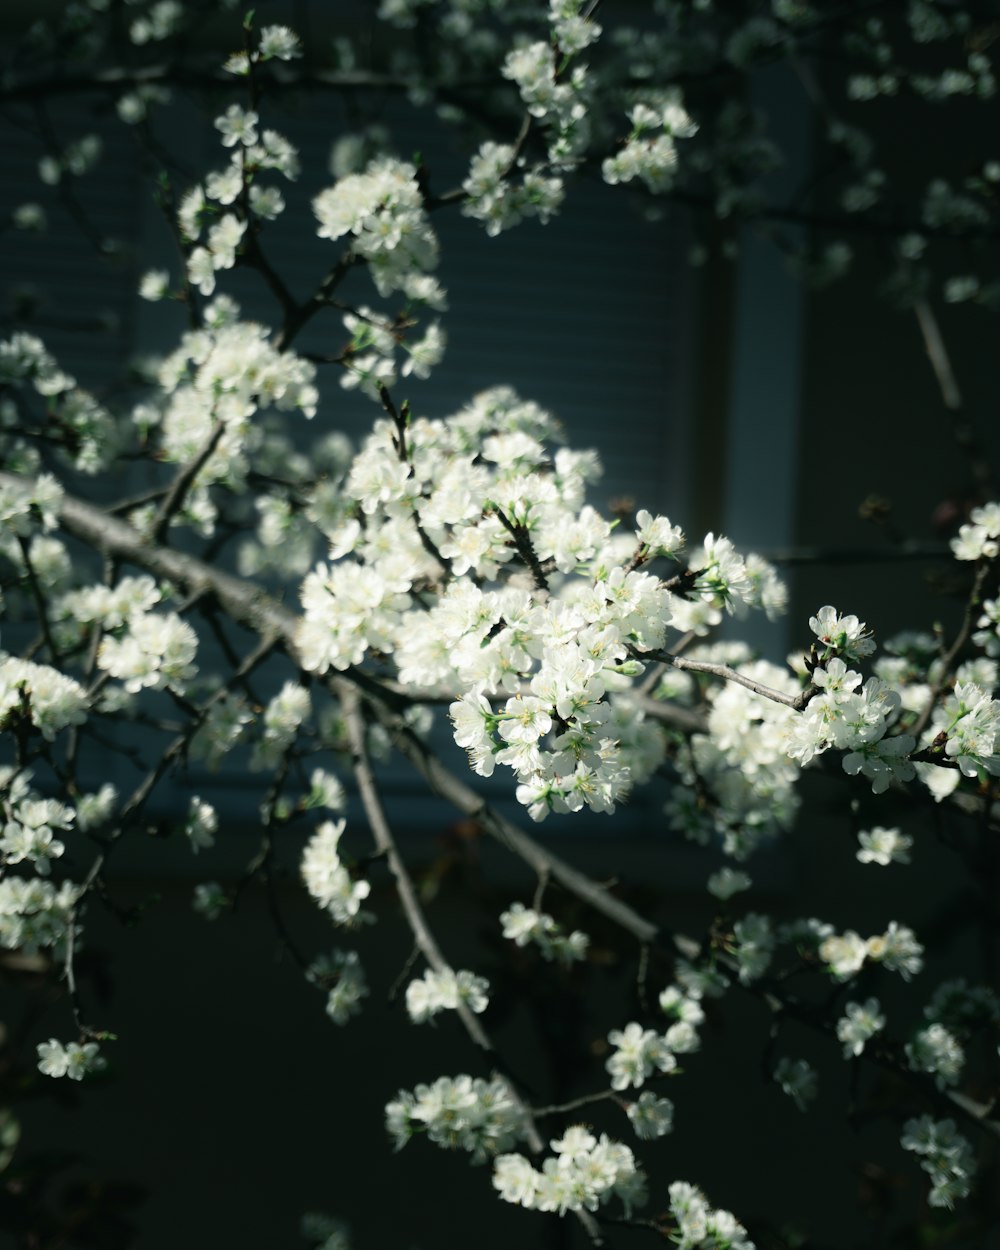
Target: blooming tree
457 569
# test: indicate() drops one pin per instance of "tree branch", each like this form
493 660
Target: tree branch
725 673
182 483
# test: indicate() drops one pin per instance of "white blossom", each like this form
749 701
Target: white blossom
327 878
638 1054
651 1117
858 1025
75 1060
459 1113
883 846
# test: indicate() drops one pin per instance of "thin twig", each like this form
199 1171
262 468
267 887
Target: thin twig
182 483
725 673
951 655
585 1100
525 548
350 701
938 356
39 598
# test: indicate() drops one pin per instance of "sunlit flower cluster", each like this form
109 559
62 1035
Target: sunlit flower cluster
457 563
583 1174
383 211
458 1113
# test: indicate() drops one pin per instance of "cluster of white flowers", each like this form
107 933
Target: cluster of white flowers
583 1174
852 717
681 1003
500 192
970 719
858 1025
987 635
327 878
650 152
522 925
236 187
699 1227
48 558
897 949
30 822
936 1050
740 761
154 650
946 1156
383 210
75 1060
370 361
26 505
107 606
883 846
41 695
234 364
473 494
650 1116
35 914
445 991
557 101
980 538
640 1052
461 555
843 636
458 1113
90 434
275 43
237 126
225 372
572 30
727 581
342 975
283 718
223 240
